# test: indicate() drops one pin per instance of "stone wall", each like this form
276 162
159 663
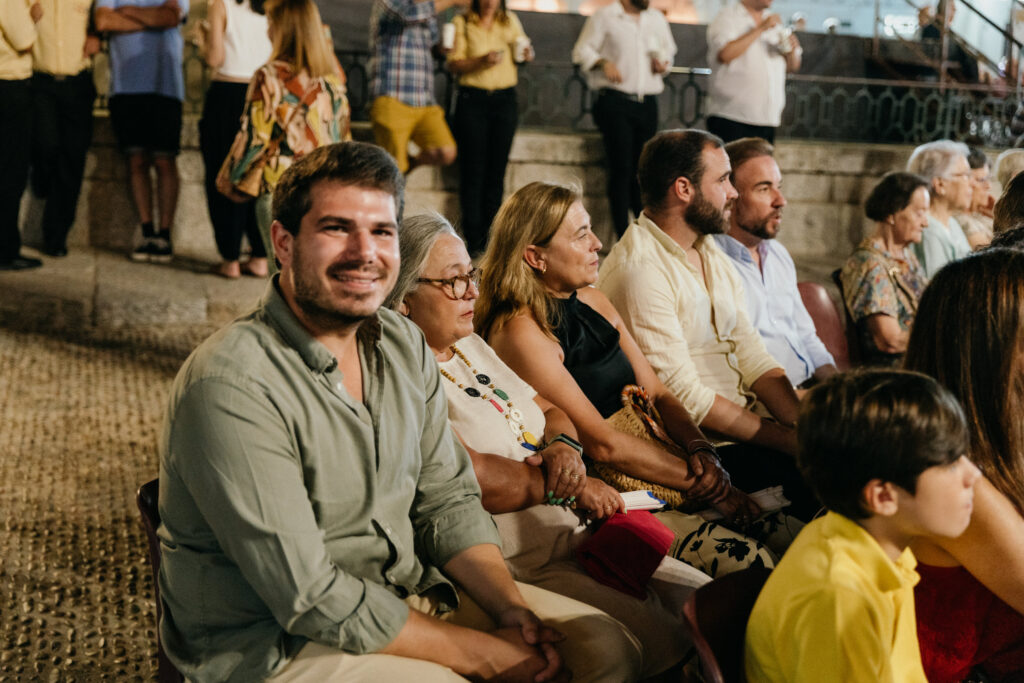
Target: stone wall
825 184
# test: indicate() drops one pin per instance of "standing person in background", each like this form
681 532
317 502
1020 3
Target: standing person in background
489 40
235 45
147 88
749 52
296 103
63 95
17 34
624 50
403 36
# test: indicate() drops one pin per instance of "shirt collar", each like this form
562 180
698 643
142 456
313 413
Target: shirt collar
883 572
280 316
702 244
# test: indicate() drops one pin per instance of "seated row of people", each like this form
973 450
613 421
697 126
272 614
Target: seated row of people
312 493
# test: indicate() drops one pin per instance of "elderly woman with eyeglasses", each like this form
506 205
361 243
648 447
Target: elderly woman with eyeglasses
525 450
943 164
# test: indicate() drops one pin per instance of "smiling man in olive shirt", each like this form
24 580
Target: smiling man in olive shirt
311 490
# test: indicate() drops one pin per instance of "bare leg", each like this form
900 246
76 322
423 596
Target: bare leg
436 156
167 183
139 164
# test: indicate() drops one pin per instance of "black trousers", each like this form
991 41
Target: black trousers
730 130
61 137
485 123
753 468
626 124
15 155
217 130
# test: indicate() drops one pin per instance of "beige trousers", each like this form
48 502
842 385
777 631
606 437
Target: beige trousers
596 647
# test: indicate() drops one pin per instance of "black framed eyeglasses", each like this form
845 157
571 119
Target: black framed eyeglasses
455 287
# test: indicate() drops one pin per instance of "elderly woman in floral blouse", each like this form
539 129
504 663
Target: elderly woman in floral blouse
296 103
883 280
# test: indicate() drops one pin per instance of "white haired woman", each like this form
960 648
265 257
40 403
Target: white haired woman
944 165
502 422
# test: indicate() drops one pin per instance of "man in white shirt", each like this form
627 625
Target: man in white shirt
749 52
683 302
624 51
769 276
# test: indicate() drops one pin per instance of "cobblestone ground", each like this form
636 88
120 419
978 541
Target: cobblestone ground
78 426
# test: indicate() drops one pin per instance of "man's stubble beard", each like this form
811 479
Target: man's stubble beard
702 216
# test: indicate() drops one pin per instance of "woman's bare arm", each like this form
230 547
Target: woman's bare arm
886 333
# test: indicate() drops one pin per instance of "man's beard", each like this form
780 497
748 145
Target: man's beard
760 228
316 303
640 4
702 216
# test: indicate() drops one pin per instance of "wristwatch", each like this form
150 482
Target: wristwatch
566 439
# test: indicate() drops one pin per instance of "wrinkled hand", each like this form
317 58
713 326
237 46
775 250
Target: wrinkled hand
520 626
600 499
36 12
712 482
738 508
770 21
611 72
566 472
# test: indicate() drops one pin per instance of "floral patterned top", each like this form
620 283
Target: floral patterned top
876 281
275 94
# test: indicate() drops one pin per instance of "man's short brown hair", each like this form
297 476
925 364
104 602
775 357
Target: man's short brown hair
745 149
349 163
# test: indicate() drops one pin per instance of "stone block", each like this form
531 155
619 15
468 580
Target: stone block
561 148
807 187
445 203
590 179
134 295
57 296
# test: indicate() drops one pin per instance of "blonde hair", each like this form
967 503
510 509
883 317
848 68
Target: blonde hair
1008 164
298 37
508 285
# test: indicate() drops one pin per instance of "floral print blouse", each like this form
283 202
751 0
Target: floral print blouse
275 93
876 281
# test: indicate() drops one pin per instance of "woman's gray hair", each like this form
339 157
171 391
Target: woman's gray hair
416 238
934 159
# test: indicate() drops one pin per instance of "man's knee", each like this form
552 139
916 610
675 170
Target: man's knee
438 156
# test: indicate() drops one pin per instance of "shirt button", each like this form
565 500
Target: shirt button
390 577
339 386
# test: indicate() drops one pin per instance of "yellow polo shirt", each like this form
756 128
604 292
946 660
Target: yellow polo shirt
836 608
17 34
473 40
62 31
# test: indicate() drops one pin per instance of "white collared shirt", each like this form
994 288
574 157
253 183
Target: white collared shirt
750 89
627 40
697 338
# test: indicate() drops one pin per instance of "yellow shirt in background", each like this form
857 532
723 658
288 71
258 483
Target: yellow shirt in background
836 608
17 34
62 31
473 40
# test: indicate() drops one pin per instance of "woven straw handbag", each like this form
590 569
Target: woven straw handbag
638 417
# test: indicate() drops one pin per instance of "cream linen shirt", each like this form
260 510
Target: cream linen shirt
17 34
62 32
699 340
473 40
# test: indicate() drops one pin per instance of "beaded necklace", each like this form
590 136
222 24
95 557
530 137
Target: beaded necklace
513 416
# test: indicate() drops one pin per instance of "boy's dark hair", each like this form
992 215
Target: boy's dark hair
669 155
743 150
349 163
892 194
875 424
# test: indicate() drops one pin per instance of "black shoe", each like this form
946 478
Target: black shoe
20 263
160 249
143 251
56 252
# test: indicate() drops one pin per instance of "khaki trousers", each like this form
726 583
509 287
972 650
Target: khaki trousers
596 647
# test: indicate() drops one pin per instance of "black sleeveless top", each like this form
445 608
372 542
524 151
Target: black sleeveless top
592 353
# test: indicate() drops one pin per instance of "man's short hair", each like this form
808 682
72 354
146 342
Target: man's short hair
1008 211
349 163
892 194
745 149
669 155
890 425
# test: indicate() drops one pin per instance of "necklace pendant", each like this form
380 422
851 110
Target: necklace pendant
501 394
514 414
516 429
472 392
483 379
530 440
497 407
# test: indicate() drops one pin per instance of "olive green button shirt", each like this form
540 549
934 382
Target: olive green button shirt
291 512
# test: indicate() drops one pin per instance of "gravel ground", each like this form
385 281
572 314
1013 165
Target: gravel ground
78 426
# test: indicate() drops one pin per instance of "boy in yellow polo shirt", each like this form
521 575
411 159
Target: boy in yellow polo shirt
884 451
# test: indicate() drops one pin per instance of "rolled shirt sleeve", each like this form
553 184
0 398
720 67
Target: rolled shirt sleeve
586 51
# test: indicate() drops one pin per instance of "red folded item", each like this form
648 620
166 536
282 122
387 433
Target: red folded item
625 551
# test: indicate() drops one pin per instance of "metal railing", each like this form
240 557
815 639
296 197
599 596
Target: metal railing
553 95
